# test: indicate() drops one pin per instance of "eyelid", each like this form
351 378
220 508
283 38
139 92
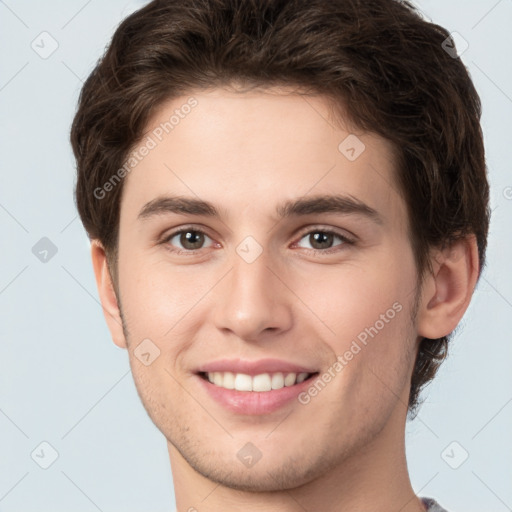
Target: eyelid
168 233
344 234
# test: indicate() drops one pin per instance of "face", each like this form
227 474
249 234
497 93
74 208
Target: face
288 254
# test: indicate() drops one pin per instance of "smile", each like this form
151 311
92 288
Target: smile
257 383
259 394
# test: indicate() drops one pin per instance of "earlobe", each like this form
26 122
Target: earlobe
107 294
447 292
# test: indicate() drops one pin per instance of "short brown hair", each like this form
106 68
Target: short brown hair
379 60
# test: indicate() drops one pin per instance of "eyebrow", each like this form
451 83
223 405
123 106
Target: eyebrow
340 204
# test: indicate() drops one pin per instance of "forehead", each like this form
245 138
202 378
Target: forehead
251 150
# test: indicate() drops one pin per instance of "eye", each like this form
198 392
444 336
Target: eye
321 240
191 239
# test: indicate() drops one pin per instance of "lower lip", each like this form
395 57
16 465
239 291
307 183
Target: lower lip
254 402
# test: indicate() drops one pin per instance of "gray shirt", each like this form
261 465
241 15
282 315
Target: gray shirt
432 505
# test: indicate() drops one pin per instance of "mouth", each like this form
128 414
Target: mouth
255 395
254 387
259 383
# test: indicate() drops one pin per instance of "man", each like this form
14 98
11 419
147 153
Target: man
288 208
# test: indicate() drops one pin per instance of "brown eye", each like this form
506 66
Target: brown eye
186 240
322 240
191 239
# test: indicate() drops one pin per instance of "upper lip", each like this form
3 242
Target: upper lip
253 367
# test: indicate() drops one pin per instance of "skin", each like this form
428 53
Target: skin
247 152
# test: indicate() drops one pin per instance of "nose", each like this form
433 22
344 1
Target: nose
253 300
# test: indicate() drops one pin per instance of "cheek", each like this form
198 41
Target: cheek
368 311
352 299
164 302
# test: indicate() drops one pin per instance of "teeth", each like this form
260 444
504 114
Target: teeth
228 380
261 382
277 381
258 383
289 380
302 377
242 382
217 378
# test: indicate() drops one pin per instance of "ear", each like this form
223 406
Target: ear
447 292
107 294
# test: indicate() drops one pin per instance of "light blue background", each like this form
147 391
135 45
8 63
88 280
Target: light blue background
63 381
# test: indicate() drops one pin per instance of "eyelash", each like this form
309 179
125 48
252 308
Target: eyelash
330 250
